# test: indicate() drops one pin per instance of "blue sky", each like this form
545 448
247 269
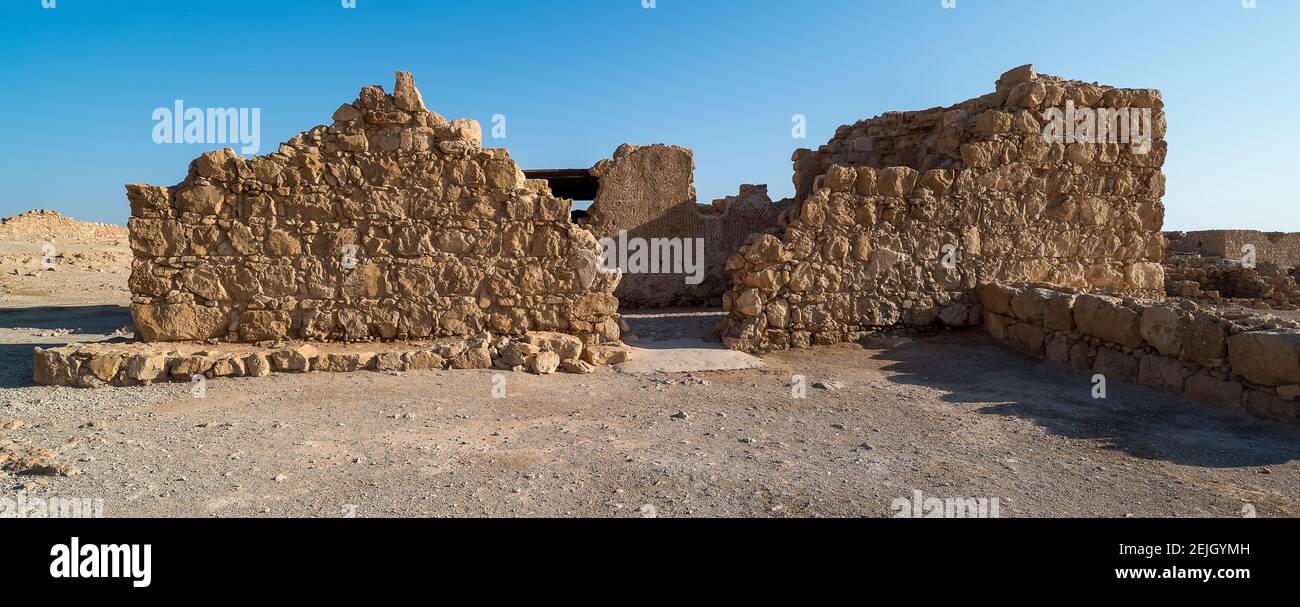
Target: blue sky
575 78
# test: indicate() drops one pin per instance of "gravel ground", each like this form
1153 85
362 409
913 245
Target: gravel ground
953 415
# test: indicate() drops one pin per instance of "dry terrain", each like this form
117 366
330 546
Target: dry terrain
952 415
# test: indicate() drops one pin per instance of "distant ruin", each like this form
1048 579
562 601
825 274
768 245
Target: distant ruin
1278 248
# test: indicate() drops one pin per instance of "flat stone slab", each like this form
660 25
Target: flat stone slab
685 355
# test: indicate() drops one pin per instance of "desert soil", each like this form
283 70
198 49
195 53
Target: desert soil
951 415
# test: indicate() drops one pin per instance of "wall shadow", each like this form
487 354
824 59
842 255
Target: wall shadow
84 323
975 369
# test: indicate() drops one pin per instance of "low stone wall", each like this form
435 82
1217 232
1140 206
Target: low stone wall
1237 361
137 363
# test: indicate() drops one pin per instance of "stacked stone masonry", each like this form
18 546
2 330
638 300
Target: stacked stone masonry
1237 361
648 192
392 223
976 195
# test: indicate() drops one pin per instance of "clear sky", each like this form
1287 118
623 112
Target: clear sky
576 78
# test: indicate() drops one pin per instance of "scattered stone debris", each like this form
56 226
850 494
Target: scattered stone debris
115 363
18 459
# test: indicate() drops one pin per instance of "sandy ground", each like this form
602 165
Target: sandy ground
952 415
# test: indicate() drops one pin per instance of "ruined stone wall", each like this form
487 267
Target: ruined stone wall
866 248
982 133
1237 361
1220 281
391 223
1279 248
649 192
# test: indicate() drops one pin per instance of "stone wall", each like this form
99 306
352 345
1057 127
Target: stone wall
982 197
1279 248
1237 361
392 223
649 192
1223 282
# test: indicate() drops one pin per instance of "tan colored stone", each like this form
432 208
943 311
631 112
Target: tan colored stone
567 346
179 321
1162 327
51 368
1109 319
544 363
572 365
1270 358
146 367
1163 373
257 365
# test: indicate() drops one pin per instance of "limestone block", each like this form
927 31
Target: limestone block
1109 319
1270 358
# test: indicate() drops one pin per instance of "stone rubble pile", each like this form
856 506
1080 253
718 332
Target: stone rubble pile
39 226
1227 282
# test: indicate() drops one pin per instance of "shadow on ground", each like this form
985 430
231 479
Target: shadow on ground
974 369
20 334
679 341
79 319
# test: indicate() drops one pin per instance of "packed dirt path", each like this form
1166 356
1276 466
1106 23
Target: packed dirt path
953 415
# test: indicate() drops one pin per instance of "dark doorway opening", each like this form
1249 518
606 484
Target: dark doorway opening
574 184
